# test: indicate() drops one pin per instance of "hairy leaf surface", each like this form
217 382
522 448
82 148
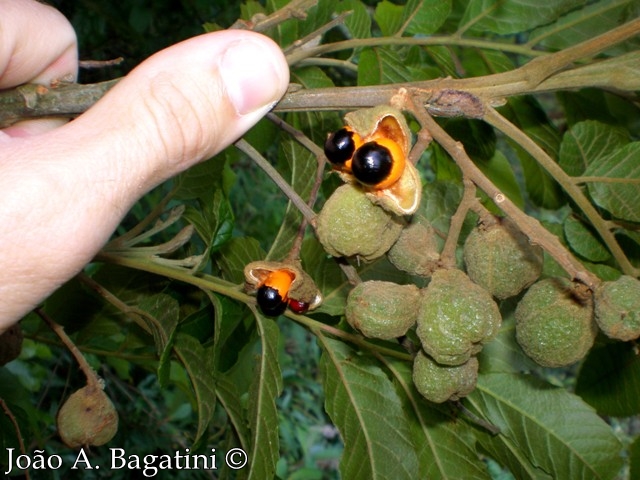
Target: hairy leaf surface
546 432
367 410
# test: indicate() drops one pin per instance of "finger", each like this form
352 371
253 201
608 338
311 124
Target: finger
37 45
181 106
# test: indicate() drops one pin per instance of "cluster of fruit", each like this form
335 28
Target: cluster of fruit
456 314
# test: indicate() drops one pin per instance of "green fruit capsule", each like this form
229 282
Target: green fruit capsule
439 383
456 317
554 323
349 225
501 259
382 310
87 418
617 308
416 251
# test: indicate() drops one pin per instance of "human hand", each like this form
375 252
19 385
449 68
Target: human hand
65 187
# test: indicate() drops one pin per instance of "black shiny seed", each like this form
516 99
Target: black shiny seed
371 163
340 146
270 301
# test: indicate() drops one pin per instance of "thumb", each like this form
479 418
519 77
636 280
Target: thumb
64 192
186 103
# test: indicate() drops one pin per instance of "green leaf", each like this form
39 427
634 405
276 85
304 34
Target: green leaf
359 22
444 64
478 137
487 63
234 384
500 172
231 398
235 255
511 16
634 459
580 24
582 240
327 276
445 447
545 432
163 313
228 315
263 414
365 406
503 354
213 220
198 361
249 8
619 190
200 180
389 17
444 167
609 380
382 65
317 16
527 114
440 200
588 142
303 167
424 17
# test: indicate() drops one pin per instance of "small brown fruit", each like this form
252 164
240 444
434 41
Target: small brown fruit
554 322
456 317
501 259
382 310
439 383
87 418
10 344
349 225
617 308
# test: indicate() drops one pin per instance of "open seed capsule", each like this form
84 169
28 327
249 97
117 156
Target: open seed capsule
381 140
281 284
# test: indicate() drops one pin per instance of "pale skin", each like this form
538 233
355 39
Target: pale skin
64 187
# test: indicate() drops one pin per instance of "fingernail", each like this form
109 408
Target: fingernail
250 76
